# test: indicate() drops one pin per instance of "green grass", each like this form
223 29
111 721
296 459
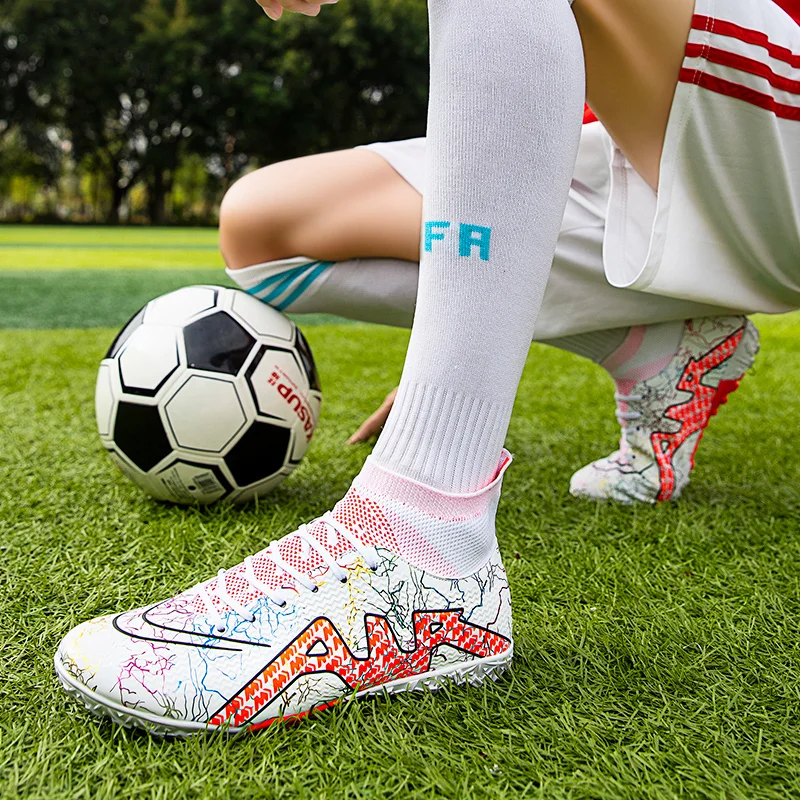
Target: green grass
656 649
67 247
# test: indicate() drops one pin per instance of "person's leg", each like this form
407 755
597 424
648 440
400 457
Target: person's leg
634 51
648 332
330 207
401 586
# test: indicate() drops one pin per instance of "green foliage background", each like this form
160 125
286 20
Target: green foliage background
152 108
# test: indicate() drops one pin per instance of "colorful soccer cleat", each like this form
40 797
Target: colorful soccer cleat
328 612
663 418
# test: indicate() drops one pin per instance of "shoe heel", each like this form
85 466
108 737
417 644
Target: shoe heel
744 357
736 366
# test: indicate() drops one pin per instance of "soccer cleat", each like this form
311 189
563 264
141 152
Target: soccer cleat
663 418
330 611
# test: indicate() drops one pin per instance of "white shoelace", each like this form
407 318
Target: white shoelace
624 417
308 543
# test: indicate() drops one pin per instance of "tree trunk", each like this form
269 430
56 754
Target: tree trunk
157 188
117 196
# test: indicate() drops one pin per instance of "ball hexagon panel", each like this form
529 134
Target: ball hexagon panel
148 359
104 399
205 414
261 318
278 383
188 482
177 307
261 451
133 323
140 435
217 343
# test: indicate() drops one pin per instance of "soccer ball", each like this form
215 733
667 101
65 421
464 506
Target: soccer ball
207 394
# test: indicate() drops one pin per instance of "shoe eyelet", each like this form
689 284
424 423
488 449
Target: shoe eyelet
343 580
283 604
219 630
315 589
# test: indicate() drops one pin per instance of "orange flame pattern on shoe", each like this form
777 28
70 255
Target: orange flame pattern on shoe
320 648
696 412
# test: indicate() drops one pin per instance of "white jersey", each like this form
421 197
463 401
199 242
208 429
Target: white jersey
725 224
723 231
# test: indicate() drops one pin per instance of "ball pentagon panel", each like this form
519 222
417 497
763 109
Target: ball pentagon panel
260 453
217 343
139 434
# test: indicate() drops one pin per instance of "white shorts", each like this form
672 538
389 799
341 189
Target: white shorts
723 232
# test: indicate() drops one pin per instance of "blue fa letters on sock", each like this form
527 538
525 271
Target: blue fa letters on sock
469 238
474 236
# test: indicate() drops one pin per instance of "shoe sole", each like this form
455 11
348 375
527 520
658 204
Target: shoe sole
473 673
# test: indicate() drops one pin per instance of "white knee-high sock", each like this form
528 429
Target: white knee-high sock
645 351
507 89
378 290
381 290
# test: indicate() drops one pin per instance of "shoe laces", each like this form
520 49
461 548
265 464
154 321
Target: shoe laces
628 415
309 542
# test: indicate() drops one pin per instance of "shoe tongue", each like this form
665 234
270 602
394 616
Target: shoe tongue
362 517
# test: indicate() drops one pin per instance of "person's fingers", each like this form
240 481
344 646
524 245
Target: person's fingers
374 424
369 429
309 9
272 8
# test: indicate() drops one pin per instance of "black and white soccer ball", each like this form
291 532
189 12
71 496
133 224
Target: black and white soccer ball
207 393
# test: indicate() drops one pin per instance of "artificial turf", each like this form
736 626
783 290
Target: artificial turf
656 648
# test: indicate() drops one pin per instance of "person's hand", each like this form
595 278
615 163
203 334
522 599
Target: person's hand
373 426
274 8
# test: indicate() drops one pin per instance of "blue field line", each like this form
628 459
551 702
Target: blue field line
305 284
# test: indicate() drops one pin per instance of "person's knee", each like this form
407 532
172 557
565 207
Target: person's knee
253 223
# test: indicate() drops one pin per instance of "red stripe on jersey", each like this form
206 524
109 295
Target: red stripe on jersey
746 35
748 95
734 60
791 7
588 115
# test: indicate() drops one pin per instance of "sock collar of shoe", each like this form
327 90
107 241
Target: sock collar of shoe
377 481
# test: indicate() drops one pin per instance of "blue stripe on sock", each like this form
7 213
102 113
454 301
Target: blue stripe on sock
286 284
305 284
281 276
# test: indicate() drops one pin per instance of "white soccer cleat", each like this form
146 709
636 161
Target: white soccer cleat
328 612
663 418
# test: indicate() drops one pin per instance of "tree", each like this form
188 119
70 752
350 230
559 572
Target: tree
133 89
